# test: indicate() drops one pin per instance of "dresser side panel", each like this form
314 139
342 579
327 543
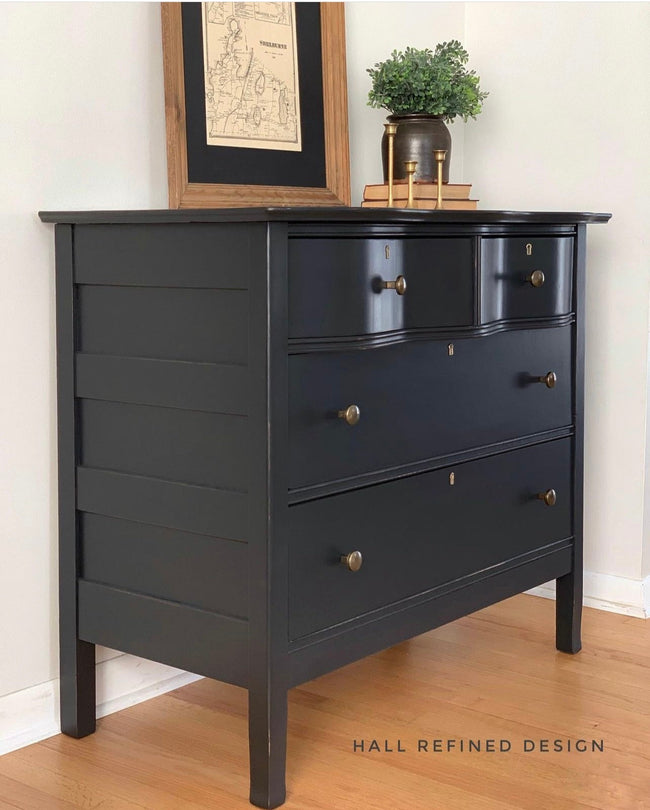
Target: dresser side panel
164 387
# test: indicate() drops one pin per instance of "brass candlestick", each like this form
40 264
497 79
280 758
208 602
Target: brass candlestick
439 155
410 167
391 129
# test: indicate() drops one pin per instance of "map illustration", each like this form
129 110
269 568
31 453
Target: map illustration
251 75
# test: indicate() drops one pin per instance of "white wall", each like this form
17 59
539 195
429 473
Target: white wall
374 31
645 561
82 126
567 126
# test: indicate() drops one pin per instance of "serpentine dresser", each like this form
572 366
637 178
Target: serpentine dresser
289 438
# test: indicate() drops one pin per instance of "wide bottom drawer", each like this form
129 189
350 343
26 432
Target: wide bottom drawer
419 532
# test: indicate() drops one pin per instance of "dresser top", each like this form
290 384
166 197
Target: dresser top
338 214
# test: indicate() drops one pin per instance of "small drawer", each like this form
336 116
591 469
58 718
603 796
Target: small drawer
525 277
336 286
419 532
423 399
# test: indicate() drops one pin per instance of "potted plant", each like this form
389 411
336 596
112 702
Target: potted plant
423 89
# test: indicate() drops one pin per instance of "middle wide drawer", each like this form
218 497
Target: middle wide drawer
423 400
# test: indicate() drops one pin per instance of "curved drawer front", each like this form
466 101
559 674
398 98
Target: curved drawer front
419 532
417 401
335 285
510 291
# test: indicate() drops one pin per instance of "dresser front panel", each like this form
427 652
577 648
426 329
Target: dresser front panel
423 400
421 531
335 285
507 267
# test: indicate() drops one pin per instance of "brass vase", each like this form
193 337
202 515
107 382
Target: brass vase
417 137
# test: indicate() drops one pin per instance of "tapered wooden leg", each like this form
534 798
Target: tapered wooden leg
568 612
77 687
267 724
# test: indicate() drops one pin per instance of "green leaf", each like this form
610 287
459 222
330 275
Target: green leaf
426 81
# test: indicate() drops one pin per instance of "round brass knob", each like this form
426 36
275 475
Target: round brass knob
351 414
536 278
549 497
399 285
549 379
352 561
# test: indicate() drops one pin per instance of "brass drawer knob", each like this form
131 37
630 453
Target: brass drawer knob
536 278
399 285
352 561
549 497
549 379
351 414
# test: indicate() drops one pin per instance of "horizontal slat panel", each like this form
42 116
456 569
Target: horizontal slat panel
216 512
205 572
214 387
193 447
181 636
182 255
209 326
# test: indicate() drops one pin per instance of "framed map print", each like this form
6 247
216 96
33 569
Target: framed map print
255 104
250 63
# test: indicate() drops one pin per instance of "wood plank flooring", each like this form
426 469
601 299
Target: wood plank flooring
494 675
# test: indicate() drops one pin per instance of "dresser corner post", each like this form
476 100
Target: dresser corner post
569 587
267 729
268 677
77 657
569 612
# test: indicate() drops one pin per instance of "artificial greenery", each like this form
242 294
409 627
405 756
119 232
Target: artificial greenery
423 81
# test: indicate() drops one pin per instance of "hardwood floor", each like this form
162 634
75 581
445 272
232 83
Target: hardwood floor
493 675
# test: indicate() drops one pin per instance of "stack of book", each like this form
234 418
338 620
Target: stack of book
455 196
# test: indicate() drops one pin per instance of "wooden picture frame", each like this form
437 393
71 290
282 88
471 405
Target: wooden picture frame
200 193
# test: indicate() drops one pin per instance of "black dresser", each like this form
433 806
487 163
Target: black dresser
289 438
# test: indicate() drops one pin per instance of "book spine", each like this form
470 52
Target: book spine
420 191
425 205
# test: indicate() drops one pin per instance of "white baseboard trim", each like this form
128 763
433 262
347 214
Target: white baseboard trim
631 597
32 714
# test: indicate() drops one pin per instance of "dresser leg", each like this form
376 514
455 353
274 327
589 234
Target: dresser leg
568 612
267 735
77 687
77 658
